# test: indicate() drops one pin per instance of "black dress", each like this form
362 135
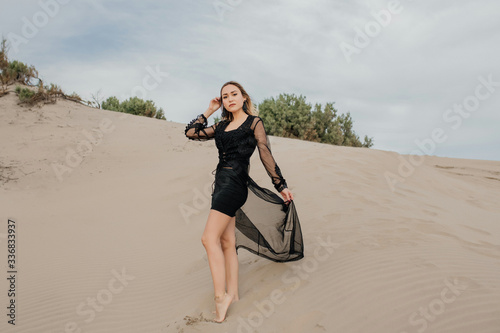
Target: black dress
265 224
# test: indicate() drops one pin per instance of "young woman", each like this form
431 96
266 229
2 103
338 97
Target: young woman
269 225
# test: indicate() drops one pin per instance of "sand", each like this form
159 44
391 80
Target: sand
109 210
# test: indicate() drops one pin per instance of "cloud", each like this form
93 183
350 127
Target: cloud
397 88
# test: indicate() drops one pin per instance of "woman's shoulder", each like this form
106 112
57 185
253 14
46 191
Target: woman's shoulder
254 121
221 122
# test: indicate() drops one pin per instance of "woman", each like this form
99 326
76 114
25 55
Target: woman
269 226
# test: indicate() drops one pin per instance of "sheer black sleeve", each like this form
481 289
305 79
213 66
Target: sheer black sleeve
267 158
197 129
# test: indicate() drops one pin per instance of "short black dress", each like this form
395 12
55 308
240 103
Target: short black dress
265 224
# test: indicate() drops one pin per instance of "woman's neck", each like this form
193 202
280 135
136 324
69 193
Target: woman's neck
240 116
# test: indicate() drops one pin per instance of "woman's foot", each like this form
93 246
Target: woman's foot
221 305
235 298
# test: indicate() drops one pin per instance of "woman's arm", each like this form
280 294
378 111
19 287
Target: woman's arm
197 129
267 158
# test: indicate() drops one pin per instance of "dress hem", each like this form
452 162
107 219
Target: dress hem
300 256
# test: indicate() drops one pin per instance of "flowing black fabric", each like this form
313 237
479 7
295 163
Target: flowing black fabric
265 224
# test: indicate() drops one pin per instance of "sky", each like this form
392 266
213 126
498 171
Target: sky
419 77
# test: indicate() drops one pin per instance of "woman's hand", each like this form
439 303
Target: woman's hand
287 195
214 104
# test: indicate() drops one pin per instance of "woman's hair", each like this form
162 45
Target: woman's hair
248 106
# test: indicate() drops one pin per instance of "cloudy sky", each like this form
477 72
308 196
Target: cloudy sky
417 76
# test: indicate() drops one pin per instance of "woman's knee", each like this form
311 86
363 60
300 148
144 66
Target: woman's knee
209 240
216 224
227 242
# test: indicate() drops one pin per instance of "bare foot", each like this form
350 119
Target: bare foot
235 299
221 305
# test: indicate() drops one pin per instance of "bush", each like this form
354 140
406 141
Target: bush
4 61
15 71
41 95
290 116
47 94
25 94
4 65
22 73
19 72
160 114
112 103
134 105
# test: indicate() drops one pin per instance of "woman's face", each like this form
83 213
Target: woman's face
232 98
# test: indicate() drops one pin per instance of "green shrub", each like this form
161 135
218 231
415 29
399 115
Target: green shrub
290 116
4 65
20 72
25 94
160 114
112 103
134 105
15 71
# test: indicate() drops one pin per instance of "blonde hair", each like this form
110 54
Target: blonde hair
248 106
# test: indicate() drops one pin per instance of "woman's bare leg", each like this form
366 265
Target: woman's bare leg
216 224
228 243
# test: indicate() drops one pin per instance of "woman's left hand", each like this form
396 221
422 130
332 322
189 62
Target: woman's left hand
287 195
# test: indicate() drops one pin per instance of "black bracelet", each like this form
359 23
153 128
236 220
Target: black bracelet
281 185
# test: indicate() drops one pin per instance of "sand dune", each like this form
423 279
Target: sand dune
109 211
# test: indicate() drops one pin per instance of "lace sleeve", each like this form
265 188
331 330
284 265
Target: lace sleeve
267 158
197 129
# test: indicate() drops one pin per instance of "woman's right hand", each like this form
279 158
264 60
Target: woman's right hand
214 104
